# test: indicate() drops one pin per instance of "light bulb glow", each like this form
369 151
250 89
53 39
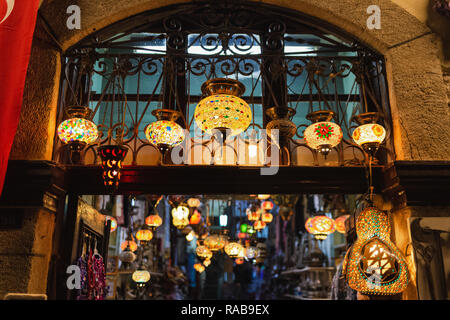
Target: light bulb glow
164 132
77 129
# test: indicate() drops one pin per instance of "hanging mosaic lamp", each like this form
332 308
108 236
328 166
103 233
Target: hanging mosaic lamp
77 131
196 218
374 265
320 227
112 157
259 225
340 223
253 213
203 252
199 267
207 262
251 252
153 221
281 121
144 235
369 135
266 217
180 212
322 135
127 255
239 261
131 243
232 249
141 276
215 242
193 202
267 205
165 133
223 109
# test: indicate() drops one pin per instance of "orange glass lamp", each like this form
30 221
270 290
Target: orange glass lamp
267 205
374 265
322 135
180 216
259 225
239 260
165 133
320 227
207 262
129 243
196 218
233 249
266 217
144 235
113 222
253 213
369 135
77 131
193 202
215 242
153 221
223 109
340 223
199 267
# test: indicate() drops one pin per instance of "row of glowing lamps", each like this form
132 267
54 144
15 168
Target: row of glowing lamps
222 109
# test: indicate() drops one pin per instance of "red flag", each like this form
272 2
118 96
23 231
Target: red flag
17 23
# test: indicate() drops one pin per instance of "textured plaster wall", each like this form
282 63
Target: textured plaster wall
25 254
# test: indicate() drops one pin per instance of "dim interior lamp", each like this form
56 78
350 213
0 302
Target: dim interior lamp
285 212
112 157
320 227
129 243
141 276
267 205
340 223
322 135
195 218
232 249
266 217
199 267
165 133
77 131
193 202
369 135
203 252
153 221
281 121
190 236
207 262
253 213
215 242
251 252
263 196
113 222
223 109
127 255
144 235
373 265
259 225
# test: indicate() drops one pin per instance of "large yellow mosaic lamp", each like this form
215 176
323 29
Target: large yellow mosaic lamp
322 135
223 109
374 265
